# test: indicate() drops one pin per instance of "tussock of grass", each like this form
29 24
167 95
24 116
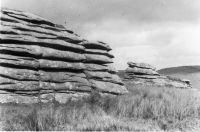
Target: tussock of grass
145 108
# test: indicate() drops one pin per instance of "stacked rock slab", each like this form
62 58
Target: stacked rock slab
141 70
145 74
98 71
41 60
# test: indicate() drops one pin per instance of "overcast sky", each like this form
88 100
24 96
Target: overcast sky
163 33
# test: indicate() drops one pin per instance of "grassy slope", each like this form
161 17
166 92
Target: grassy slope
145 108
185 72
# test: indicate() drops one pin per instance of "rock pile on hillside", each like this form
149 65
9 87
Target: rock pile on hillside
145 74
40 60
141 70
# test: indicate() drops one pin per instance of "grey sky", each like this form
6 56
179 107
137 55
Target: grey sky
160 32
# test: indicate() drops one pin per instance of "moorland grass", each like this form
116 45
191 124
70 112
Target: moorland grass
144 108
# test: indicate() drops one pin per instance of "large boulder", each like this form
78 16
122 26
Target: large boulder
40 59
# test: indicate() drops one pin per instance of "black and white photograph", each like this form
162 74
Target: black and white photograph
100 65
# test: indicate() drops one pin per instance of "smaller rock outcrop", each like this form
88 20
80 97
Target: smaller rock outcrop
141 70
145 74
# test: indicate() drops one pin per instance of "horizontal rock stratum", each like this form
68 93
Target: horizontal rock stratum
40 60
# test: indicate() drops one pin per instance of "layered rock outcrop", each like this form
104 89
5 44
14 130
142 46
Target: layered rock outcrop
145 74
141 70
40 59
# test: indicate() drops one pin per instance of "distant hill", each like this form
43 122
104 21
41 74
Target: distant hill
180 69
191 73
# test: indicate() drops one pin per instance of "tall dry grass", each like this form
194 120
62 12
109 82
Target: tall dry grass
144 108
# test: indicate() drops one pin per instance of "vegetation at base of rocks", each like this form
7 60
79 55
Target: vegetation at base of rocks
145 108
174 78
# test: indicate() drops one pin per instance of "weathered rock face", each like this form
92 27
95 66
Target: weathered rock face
145 74
39 59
